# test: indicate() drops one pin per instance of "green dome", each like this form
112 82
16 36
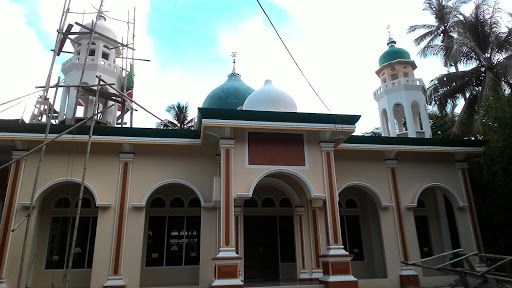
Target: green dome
393 53
230 95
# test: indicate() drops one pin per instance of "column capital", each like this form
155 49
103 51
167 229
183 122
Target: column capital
391 162
299 210
327 146
16 154
126 156
227 143
461 164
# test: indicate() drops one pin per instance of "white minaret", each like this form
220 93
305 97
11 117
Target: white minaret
100 61
401 97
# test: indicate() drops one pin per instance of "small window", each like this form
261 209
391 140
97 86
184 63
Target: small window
285 202
157 202
251 203
268 202
406 75
383 80
62 203
404 67
394 76
177 202
351 203
194 202
383 73
105 55
92 52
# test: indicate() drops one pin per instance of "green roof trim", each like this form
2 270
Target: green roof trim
273 116
406 141
40 128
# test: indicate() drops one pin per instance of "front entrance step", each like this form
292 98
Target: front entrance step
278 284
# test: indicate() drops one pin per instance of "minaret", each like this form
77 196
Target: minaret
101 61
401 97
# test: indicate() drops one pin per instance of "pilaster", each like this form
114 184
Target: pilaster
335 260
115 279
11 198
408 277
462 168
227 262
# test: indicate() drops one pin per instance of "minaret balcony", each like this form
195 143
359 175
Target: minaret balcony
71 63
397 83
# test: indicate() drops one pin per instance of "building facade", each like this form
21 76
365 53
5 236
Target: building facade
259 193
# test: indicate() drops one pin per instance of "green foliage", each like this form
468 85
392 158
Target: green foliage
491 177
479 41
441 123
375 132
180 118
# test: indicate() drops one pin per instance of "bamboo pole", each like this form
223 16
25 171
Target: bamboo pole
82 184
133 63
86 57
63 19
55 138
32 196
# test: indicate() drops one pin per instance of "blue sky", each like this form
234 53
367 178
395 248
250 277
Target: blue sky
189 42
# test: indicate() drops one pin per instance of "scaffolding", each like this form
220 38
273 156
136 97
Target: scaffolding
495 273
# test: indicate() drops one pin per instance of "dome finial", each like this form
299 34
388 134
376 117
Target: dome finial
391 41
101 14
233 73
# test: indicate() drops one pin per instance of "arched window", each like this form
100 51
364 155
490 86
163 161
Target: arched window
86 203
62 202
351 203
285 202
268 202
62 224
157 202
173 231
252 203
177 202
194 202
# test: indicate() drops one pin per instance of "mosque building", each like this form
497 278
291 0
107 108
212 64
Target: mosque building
258 194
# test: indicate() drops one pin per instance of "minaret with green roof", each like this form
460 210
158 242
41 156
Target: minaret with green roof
401 96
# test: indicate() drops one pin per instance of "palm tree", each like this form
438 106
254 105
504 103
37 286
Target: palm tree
180 120
439 37
482 44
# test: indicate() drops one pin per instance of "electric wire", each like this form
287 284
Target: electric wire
288 50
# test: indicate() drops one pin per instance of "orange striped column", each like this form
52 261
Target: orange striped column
11 198
462 168
299 221
315 244
335 260
115 279
227 262
408 277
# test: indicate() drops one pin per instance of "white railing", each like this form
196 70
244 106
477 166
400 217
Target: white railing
398 82
92 60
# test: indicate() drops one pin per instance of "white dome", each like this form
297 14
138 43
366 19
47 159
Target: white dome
269 98
101 27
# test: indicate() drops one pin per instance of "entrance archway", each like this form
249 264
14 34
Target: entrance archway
361 232
270 248
55 225
436 225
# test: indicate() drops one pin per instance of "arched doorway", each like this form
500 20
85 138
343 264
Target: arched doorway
436 225
361 232
172 237
269 235
55 227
